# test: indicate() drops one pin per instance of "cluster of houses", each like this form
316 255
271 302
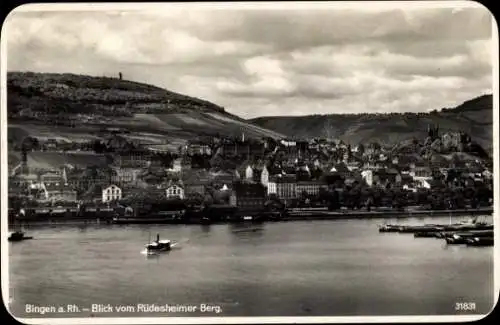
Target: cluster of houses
282 169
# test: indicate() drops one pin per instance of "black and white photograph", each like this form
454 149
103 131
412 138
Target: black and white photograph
246 162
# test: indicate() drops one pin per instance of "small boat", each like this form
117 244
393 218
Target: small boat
425 234
18 236
205 221
476 233
455 239
467 233
436 228
247 218
158 245
421 229
465 227
479 241
389 228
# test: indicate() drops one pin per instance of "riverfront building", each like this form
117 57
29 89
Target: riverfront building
284 186
309 187
248 196
175 190
111 193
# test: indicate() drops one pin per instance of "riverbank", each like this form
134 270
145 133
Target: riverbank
290 216
325 215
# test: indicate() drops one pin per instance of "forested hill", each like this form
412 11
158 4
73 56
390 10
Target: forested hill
474 116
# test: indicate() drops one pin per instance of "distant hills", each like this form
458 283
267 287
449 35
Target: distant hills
474 117
69 107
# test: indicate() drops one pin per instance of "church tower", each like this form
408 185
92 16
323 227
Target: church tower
433 131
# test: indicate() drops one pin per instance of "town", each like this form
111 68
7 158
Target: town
217 178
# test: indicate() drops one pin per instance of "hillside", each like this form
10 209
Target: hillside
474 117
53 93
69 107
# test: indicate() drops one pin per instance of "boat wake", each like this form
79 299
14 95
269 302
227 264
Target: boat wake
148 252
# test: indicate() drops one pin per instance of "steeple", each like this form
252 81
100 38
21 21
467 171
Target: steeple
433 131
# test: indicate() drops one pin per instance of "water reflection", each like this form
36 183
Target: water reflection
82 228
155 256
247 230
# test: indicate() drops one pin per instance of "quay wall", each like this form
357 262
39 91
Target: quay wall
290 216
326 215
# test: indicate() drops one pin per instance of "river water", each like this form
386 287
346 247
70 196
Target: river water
299 268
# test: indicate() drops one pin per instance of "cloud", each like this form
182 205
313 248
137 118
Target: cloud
272 61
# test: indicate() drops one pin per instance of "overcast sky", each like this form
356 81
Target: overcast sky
272 62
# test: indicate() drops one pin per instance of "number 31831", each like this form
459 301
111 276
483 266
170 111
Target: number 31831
465 306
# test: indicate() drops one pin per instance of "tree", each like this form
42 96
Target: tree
30 144
221 197
273 203
208 200
323 195
360 149
333 200
375 146
98 147
369 203
273 197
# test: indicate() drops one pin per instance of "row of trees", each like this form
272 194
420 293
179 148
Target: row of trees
357 197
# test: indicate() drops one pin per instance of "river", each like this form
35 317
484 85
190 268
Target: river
299 268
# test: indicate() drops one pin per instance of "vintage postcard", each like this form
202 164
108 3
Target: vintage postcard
288 162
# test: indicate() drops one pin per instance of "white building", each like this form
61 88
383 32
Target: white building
352 166
249 173
487 174
111 193
409 188
288 143
176 166
264 177
175 191
367 176
272 188
310 187
284 187
422 183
